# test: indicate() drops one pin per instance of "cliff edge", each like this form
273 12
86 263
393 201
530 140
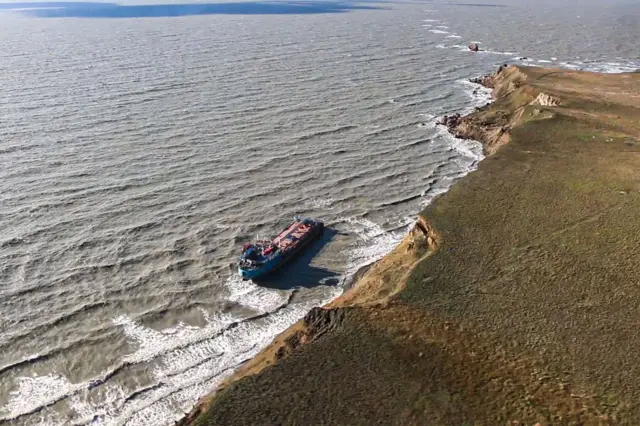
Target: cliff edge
514 300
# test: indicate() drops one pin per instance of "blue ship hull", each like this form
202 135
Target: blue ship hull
269 266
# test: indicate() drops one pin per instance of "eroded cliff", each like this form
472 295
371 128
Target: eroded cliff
514 297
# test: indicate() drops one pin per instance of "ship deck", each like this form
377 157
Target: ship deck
289 238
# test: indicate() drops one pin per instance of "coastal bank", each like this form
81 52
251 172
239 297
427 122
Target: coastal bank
514 300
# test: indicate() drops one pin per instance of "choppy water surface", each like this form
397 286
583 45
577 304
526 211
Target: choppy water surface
138 154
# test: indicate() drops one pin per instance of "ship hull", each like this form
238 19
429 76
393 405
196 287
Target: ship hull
285 254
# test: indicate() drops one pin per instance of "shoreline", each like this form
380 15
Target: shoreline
510 300
361 291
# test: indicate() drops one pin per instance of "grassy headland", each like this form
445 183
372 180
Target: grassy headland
514 300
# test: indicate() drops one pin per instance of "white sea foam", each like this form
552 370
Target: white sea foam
234 346
429 121
248 294
607 67
478 94
320 203
112 396
444 27
189 362
469 152
152 343
185 362
493 52
459 47
454 36
570 66
38 391
373 242
439 32
429 20
594 66
427 116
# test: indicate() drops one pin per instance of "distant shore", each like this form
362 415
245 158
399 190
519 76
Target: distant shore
511 299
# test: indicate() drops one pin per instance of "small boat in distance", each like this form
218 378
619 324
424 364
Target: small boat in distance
262 257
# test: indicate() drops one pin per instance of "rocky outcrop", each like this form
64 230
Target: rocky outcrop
492 133
485 80
421 233
315 324
451 121
489 81
492 128
319 321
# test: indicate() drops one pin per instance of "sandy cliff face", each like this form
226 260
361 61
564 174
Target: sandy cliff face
387 277
487 125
